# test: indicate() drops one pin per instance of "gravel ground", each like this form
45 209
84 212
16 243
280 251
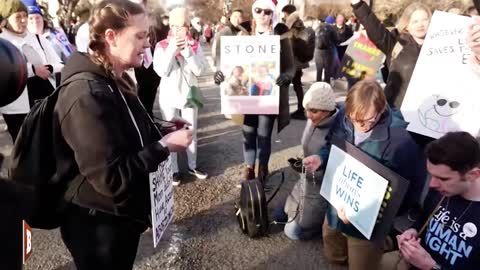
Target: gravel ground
205 233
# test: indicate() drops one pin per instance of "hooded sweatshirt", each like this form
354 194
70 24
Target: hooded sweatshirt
102 155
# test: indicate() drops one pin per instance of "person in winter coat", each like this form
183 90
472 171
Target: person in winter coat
105 143
401 46
38 25
368 123
42 63
473 41
344 32
325 55
179 60
233 28
303 50
257 129
305 206
147 79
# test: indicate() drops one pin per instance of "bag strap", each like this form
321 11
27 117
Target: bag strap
431 215
181 71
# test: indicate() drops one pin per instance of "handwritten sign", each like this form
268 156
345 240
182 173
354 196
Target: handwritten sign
443 92
251 65
362 60
161 198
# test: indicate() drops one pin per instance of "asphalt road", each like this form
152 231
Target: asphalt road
205 233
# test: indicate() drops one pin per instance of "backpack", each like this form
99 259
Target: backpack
33 163
323 35
251 210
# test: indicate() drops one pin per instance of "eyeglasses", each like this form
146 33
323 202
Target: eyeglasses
267 12
370 122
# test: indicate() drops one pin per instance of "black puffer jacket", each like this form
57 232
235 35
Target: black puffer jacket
402 52
287 66
97 146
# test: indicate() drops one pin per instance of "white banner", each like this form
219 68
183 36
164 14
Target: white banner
443 92
161 197
251 65
351 185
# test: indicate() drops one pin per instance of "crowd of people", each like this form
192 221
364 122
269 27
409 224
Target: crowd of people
108 140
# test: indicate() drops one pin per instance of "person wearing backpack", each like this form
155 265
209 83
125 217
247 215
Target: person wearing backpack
105 143
303 49
325 41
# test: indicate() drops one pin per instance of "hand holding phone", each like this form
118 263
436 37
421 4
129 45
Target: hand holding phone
180 36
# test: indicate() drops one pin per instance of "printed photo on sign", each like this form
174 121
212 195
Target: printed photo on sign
443 92
251 66
161 197
351 185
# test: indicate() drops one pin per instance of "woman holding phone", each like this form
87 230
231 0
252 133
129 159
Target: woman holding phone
179 60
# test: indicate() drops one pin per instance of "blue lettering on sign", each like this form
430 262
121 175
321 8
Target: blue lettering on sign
446 243
354 204
353 176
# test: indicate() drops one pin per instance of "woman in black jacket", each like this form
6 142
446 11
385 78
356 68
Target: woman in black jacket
257 129
401 46
106 144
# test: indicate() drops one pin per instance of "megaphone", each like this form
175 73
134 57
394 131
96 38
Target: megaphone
13 72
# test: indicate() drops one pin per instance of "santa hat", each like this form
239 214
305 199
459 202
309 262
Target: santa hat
267 4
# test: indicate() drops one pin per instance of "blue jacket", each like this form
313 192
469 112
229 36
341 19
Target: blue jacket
390 144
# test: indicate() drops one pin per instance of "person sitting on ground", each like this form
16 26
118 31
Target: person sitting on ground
450 239
305 206
367 122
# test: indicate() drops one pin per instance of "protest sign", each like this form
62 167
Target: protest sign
161 198
362 60
251 65
443 92
359 184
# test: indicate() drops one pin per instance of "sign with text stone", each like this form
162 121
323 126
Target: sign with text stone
161 198
444 89
251 65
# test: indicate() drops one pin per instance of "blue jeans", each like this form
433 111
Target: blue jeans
257 137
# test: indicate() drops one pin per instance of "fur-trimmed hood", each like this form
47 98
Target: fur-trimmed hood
296 26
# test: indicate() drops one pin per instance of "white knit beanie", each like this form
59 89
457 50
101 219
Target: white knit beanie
320 96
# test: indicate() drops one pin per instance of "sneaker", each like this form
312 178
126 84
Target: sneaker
299 115
176 179
197 173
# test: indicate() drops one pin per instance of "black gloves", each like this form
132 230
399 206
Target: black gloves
218 77
283 80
